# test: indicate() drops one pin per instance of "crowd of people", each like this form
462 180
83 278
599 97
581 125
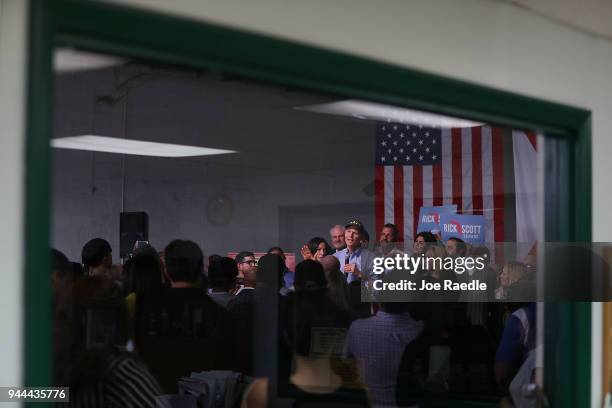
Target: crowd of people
125 334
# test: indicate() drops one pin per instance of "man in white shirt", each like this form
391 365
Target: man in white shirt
336 233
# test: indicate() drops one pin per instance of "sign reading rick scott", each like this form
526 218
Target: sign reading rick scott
429 217
469 228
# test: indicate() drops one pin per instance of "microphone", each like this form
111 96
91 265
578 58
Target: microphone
346 261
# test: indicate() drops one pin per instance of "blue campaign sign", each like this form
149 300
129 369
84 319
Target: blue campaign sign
429 217
470 228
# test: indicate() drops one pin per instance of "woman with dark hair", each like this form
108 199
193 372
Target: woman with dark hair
143 277
316 249
222 274
515 283
422 240
287 273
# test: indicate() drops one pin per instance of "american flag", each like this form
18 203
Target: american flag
427 166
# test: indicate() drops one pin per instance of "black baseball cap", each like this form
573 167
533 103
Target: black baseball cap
355 224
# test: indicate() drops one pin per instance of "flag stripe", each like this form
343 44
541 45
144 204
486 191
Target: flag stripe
398 201
408 204
466 164
525 188
457 175
438 192
417 194
498 184
477 170
533 139
487 183
389 194
379 196
427 186
447 166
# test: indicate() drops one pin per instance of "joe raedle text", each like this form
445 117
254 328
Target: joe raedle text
412 264
446 285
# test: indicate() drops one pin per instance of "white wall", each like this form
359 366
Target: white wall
177 208
13 25
593 16
289 181
490 43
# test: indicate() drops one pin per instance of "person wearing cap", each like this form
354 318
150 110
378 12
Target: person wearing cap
356 262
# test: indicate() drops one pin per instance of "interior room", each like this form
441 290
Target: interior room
145 153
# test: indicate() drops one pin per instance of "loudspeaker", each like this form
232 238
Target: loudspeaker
133 226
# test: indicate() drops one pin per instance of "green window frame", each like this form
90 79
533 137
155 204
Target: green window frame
118 30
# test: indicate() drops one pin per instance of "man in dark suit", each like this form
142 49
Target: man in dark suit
182 329
242 307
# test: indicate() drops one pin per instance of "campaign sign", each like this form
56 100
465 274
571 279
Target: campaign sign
470 228
429 217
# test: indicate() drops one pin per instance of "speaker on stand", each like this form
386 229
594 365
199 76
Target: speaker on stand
133 226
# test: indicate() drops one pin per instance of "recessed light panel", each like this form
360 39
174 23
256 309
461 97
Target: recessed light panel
380 112
135 147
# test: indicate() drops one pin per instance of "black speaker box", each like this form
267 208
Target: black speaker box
133 226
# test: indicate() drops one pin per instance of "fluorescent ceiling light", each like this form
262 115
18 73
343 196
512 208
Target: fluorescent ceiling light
380 112
68 60
136 147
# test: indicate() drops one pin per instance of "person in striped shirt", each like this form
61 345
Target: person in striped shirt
98 366
110 378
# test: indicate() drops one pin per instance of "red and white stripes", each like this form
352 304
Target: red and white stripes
471 175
